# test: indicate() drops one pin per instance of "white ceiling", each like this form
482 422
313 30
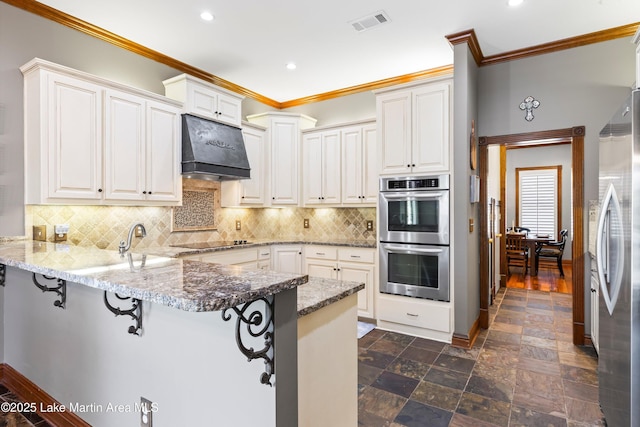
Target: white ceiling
250 41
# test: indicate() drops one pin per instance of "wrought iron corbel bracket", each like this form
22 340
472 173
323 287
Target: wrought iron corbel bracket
135 312
3 274
60 289
257 325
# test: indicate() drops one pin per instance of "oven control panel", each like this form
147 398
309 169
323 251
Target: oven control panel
438 182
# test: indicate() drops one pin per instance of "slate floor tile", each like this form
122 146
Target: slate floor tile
396 384
416 414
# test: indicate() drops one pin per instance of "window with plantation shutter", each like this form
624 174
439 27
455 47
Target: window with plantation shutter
538 199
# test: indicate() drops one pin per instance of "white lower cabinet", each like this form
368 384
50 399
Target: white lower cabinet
345 263
286 258
595 313
414 316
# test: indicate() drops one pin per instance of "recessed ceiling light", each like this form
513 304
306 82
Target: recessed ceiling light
514 3
206 16
291 66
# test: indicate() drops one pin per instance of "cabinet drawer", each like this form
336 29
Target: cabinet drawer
321 252
264 253
419 313
357 255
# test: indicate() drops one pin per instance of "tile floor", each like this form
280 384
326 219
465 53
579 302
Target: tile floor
522 371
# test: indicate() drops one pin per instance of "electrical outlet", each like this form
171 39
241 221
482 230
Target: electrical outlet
306 223
238 225
146 412
138 232
369 225
40 233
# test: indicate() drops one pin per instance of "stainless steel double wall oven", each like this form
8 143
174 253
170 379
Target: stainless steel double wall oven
414 236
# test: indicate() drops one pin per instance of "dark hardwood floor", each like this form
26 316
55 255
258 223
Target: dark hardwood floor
548 279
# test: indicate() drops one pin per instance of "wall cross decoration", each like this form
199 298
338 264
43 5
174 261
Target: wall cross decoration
528 105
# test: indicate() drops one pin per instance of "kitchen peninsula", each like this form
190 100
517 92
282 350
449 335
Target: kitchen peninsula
186 359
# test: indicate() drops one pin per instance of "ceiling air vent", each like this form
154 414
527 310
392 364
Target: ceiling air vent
370 21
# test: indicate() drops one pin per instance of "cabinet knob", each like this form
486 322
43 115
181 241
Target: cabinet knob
273 198
99 190
144 192
408 166
413 165
149 192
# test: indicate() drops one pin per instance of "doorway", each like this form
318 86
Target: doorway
575 137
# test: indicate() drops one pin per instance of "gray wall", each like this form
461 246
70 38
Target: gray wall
581 86
466 244
541 156
24 36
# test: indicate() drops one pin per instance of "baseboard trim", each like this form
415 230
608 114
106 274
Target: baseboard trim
27 391
470 339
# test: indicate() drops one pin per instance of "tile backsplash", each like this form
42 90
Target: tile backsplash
105 226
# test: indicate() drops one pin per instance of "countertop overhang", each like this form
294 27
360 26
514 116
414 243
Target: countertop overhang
174 282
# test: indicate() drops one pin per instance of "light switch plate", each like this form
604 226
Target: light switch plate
306 223
238 224
369 225
470 225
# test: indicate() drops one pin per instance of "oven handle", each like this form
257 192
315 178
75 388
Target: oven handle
407 250
414 195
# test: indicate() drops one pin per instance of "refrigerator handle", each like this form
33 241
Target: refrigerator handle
610 270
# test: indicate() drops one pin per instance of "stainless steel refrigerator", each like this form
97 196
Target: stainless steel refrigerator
618 264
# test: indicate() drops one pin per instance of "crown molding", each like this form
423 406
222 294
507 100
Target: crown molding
102 34
378 84
569 43
469 37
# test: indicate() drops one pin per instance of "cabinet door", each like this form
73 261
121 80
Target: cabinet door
287 259
74 108
370 176
252 191
312 168
363 273
163 180
394 127
229 109
595 313
331 165
431 128
320 268
202 101
124 148
352 165
284 166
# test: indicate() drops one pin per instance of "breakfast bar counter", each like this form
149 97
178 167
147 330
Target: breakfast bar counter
202 322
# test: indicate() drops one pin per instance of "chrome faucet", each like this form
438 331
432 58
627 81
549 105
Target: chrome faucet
125 246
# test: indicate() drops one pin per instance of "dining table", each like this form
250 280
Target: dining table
532 240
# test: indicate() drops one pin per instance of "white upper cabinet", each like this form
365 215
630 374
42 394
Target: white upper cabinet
92 141
321 168
124 146
249 192
141 149
284 142
205 99
359 165
414 129
162 153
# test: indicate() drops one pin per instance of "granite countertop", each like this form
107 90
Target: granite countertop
182 284
200 248
318 293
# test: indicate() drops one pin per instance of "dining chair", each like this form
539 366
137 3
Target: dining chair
517 252
552 250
